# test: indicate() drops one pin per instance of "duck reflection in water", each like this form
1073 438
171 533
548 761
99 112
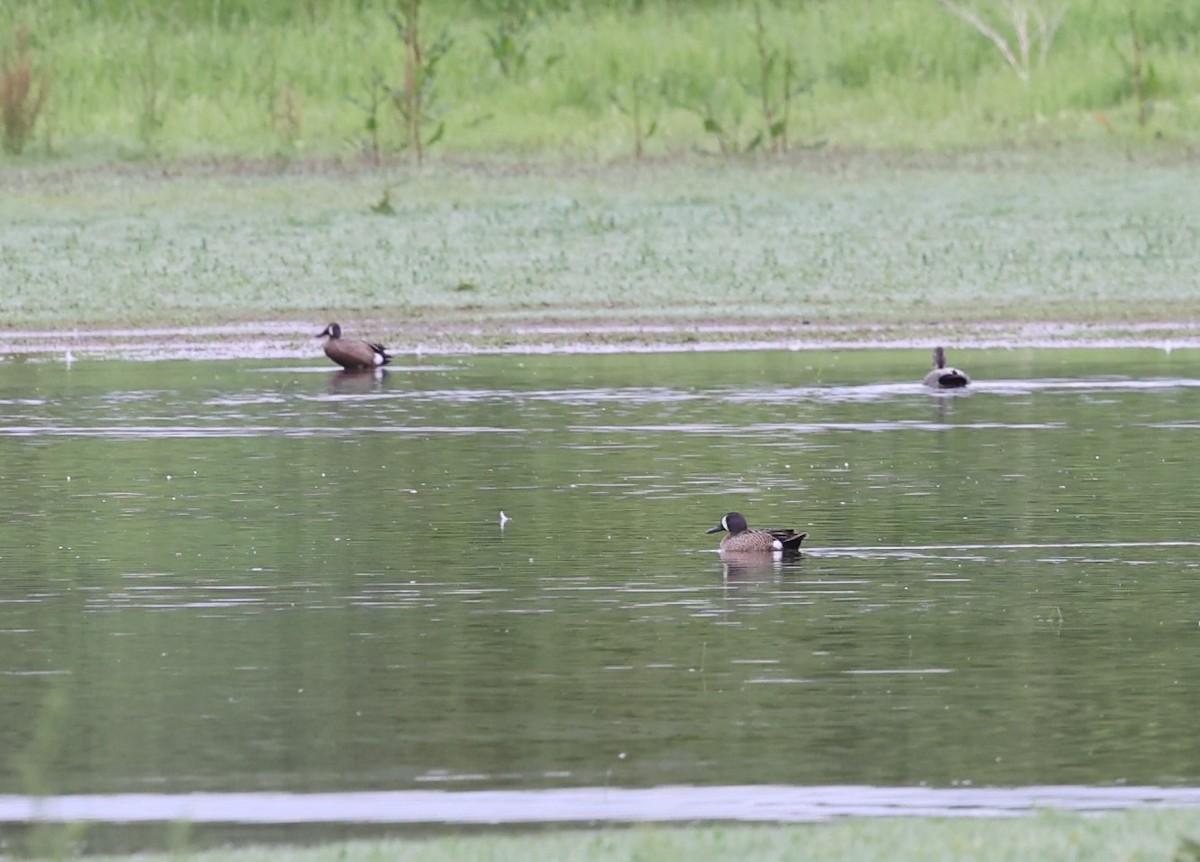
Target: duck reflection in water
739 568
357 382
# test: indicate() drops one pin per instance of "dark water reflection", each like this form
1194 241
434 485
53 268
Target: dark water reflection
246 576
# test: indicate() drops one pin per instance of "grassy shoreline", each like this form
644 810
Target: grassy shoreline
280 339
1021 249
1133 835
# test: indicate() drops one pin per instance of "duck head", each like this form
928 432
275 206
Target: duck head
734 523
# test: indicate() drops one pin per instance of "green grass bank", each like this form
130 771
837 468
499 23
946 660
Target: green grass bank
1134 836
596 80
808 248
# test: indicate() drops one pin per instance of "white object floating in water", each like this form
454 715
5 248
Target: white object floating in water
68 358
504 519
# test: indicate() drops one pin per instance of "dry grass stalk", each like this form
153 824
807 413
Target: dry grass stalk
23 92
1030 22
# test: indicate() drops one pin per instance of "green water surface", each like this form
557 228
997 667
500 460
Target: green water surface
248 575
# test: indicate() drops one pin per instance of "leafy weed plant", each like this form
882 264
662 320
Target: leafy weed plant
509 39
633 99
777 84
414 99
375 96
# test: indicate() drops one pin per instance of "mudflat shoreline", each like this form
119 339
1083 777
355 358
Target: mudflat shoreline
292 340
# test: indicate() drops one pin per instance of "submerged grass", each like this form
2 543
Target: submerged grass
139 78
849 241
1131 835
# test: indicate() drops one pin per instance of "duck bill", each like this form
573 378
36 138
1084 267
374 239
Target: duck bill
720 528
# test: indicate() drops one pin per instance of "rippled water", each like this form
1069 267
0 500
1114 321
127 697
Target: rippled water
236 577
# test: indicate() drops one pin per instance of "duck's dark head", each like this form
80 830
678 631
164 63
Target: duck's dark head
333 330
939 357
734 523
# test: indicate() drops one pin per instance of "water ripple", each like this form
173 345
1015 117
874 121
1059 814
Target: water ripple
142 432
762 803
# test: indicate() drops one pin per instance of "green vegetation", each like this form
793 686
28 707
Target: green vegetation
864 198
1136 835
601 79
840 242
22 93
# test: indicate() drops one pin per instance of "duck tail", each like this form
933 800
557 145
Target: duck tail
792 543
381 352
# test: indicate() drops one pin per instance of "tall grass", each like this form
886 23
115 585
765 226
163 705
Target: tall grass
202 77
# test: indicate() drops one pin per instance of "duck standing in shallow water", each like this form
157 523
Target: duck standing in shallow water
353 354
742 539
943 376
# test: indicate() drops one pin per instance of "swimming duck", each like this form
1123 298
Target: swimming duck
943 377
353 354
742 539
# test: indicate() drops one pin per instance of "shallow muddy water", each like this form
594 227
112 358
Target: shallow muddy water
245 577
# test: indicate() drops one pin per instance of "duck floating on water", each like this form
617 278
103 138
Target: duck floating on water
742 539
943 376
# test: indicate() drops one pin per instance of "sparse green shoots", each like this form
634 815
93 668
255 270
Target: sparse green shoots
509 39
375 96
725 128
35 767
287 117
1142 77
384 205
720 105
1188 849
774 89
150 89
631 100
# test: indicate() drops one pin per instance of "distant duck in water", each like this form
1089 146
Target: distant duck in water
353 354
943 376
742 539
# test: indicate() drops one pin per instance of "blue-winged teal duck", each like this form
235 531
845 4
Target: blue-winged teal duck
742 539
943 376
353 354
